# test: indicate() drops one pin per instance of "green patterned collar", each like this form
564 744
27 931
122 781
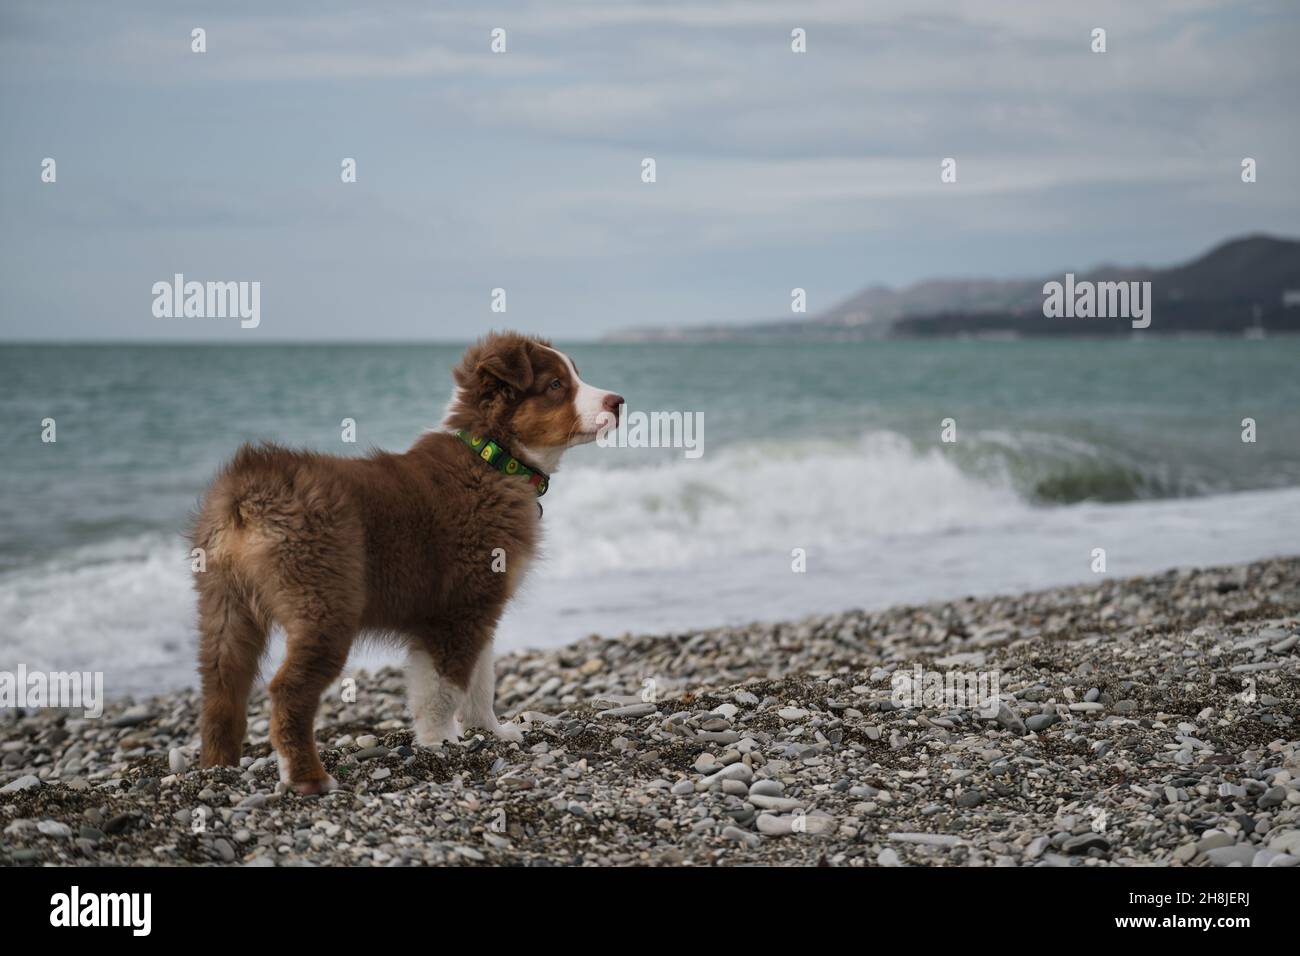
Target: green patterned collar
498 458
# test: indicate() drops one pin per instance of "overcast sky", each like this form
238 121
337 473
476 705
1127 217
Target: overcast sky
522 170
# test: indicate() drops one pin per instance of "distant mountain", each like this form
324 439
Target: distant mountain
1235 285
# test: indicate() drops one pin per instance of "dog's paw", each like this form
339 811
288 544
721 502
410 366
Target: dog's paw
431 736
511 733
309 788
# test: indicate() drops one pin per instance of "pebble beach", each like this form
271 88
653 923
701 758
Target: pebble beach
1141 721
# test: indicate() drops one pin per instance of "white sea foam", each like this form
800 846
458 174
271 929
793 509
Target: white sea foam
762 498
689 544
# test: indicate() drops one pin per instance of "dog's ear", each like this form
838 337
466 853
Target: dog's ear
508 360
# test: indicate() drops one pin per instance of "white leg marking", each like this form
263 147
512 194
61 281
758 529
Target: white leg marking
433 700
479 703
328 785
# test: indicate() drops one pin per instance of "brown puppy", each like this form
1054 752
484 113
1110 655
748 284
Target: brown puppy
401 544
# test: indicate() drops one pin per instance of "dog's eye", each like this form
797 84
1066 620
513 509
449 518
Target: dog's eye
556 384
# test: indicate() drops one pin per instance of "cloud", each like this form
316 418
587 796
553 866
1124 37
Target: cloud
474 164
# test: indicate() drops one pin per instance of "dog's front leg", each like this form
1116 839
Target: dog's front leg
480 700
433 700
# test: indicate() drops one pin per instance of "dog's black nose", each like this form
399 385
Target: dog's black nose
612 403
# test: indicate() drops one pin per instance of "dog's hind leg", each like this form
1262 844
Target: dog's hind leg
231 642
314 659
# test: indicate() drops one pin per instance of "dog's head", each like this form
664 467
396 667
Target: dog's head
520 390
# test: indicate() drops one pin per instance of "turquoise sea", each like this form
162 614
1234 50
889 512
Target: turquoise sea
1061 447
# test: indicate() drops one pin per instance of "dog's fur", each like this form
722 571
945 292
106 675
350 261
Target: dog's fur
402 544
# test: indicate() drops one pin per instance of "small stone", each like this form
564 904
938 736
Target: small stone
177 761
970 798
927 839
767 788
132 716
1040 722
770 824
1242 853
1009 719
1285 841
631 710
53 828
1212 840
735 771
1084 842
25 782
1284 645
366 741
740 836
120 822
778 804
888 857
1272 797
791 714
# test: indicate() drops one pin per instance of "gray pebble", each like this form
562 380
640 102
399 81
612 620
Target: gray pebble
26 782
1011 720
1272 797
631 710
1084 842
1242 853
177 761
1040 722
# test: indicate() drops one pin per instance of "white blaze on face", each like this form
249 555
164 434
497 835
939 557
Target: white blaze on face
589 404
